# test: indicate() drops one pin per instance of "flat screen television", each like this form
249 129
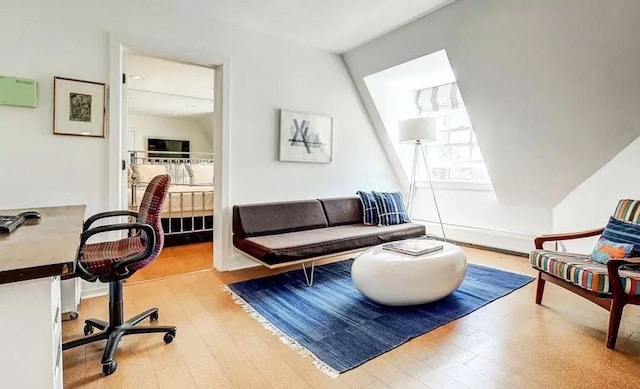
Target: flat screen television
167 145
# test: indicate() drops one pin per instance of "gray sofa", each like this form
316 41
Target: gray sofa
283 233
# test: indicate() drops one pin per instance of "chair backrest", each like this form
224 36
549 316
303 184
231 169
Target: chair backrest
628 211
150 210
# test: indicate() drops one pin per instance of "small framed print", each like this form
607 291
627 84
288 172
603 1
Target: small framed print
79 107
305 137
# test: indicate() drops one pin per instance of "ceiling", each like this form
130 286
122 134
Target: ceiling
167 88
331 25
421 73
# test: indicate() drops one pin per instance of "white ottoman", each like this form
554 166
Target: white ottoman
392 278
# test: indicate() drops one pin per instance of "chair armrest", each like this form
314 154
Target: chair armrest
613 267
149 232
103 215
566 236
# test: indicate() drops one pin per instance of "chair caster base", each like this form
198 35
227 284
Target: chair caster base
109 367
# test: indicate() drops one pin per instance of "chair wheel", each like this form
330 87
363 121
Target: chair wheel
109 367
168 337
88 329
153 316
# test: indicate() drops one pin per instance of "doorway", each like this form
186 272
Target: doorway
168 128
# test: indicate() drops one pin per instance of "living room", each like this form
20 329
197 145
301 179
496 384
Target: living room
549 88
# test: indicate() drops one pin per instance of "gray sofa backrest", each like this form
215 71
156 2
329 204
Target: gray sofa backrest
277 218
342 210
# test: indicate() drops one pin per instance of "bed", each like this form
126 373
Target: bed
187 214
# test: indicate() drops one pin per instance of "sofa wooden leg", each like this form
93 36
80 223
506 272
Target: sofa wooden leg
540 290
615 316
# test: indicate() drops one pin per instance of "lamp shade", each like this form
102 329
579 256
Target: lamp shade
423 129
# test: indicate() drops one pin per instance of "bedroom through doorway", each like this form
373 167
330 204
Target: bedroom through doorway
169 128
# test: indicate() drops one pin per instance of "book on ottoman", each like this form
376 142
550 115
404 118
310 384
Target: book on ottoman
413 246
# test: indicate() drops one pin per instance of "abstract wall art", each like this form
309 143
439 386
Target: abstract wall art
305 137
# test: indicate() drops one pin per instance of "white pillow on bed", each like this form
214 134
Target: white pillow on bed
146 173
201 174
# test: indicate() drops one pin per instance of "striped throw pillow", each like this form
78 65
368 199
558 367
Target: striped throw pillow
391 209
623 232
369 209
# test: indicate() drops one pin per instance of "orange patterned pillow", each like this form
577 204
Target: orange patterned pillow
606 250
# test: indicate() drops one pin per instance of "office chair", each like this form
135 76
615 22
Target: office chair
115 261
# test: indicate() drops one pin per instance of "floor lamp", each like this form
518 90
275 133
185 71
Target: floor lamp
417 131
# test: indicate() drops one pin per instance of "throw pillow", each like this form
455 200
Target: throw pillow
622 232
391 209
606 250
146 173
201 174
369 209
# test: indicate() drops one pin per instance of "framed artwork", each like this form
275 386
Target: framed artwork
79 107
305 137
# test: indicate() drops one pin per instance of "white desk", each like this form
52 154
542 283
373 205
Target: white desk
32 259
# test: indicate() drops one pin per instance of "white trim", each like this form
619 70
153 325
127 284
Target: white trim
239 262
151 45
94 292
520 242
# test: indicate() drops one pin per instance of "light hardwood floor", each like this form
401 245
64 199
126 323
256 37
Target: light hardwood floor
510 343
177 260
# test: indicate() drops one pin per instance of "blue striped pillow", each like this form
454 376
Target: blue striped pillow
391 208
623 232
369 209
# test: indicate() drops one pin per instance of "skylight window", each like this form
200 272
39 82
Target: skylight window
427 87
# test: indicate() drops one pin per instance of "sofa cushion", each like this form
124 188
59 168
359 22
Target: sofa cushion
294 246
276 218
628 211
342 210
582 271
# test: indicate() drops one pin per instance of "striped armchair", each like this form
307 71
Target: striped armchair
611 285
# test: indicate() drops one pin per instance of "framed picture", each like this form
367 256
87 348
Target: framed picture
305 137
79 107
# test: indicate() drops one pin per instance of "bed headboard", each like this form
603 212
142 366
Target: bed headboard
177 164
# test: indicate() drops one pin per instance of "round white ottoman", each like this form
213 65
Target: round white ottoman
392 278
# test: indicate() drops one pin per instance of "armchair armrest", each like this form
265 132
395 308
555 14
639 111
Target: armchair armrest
103 215
566 236
120 268
613 267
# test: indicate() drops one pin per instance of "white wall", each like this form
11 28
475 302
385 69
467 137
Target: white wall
266 74
591 204
163 127
551 86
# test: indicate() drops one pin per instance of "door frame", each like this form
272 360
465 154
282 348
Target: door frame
146 45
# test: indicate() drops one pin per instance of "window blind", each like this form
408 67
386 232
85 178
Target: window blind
439 98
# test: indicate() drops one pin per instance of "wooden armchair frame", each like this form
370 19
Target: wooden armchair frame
613 302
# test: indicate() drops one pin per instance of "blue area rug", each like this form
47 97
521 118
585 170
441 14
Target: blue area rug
341 328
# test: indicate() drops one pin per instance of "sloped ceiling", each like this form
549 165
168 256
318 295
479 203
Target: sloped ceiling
552 87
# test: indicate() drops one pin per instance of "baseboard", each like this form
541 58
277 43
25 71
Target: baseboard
94 292
514 243
238 262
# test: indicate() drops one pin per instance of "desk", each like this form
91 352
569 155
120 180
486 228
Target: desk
32 259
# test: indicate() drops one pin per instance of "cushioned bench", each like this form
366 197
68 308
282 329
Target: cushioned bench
284 233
